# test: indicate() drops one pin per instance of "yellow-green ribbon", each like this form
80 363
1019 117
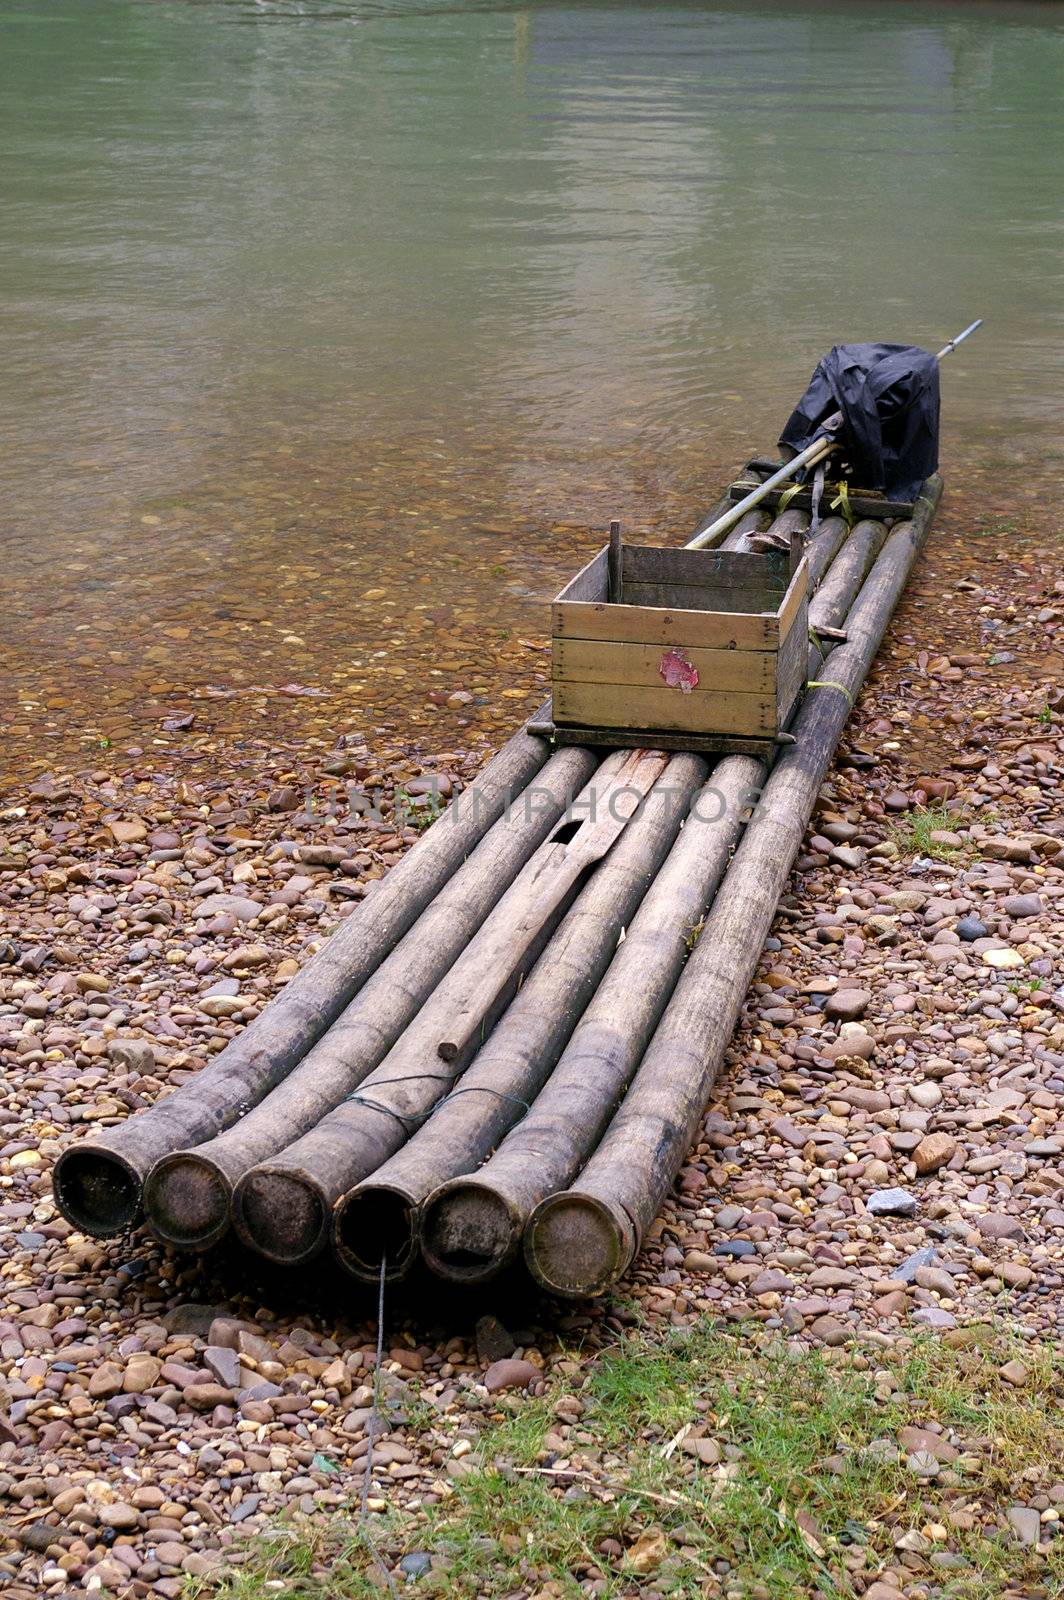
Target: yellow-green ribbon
830 683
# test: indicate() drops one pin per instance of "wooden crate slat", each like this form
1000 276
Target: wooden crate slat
715 630
863 502
588 661
698 597
722 744
796 597
623 706
717 569
791 664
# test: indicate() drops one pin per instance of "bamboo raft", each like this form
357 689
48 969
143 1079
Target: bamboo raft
506 1050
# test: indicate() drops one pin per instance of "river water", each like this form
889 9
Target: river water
333 334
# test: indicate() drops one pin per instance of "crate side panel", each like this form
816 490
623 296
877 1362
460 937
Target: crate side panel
723 569
715 630
594 661
702 597
591 582
618 705
791 665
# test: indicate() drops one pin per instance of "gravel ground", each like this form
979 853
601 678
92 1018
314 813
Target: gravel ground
883 1156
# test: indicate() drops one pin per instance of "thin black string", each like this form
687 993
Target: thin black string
414 1119
375 1417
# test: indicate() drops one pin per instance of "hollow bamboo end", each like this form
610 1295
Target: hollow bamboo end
283 1215
468 1231
97 1190
186 1201
374 1222
577 1245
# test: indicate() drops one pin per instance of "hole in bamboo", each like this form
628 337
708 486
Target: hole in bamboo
97 1191
375 1223
566 832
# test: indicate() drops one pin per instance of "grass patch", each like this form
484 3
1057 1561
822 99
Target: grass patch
706 1464
912 833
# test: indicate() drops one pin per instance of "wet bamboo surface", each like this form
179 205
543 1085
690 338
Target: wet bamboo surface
511 1043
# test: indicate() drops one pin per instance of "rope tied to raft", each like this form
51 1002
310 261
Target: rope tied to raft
830 683
413 1119
375 1416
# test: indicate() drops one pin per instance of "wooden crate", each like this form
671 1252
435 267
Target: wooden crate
708 647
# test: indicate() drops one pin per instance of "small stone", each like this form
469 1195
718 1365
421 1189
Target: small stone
224 1363
1003 960
134 1055
118 1515
131 831
205 1396
1014 1372
926 1094
906 1273
510 1374
935 1317
830 1331
847 1005
1022 905
970 928
999 1225
912 1439
142 1371
1025 1523
891 1203
105 1381
228 905
933 1152
495 1342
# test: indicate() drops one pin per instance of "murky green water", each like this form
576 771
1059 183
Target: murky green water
303 302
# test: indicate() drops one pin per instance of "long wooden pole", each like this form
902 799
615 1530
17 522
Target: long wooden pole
98 1181
581 1240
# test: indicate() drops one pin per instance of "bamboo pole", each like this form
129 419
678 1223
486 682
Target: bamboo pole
98 1181
581 1240
283 1207
848 571
379 1216
187 1193
823 548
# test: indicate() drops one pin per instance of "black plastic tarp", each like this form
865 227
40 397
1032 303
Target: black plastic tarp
888 396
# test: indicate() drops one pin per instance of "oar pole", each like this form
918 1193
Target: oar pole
811 456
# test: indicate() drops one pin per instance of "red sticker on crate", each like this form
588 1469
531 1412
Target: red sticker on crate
678 672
